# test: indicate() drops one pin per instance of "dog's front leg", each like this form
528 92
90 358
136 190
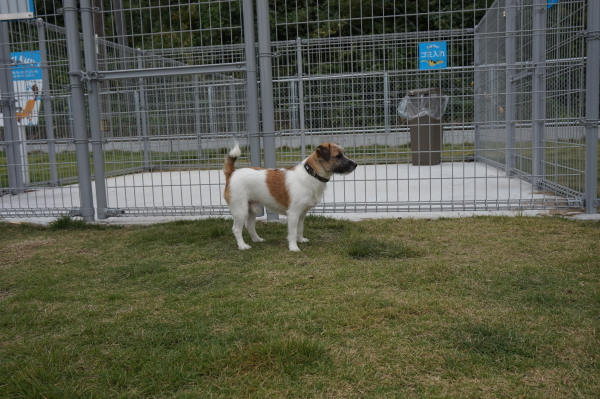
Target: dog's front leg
301 228
293 222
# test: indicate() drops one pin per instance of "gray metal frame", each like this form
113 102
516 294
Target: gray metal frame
541 139
592 121
170 111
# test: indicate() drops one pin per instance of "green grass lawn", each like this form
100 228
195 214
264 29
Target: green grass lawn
486 307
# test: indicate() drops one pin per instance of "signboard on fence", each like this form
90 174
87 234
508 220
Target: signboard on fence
432 55
27 83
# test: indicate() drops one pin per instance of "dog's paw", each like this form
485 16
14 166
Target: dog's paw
245 246
294 248
258 239
302 239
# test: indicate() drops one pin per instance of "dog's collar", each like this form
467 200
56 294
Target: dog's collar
314 174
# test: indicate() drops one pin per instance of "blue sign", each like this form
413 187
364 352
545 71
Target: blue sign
26 65
551 3
432 55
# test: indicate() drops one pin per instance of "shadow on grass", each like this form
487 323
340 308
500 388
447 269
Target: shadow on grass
490 347
292 356
370 249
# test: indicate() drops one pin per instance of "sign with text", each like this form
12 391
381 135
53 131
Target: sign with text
432 55
27 83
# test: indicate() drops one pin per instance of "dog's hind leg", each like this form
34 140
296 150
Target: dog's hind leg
239 218
253 209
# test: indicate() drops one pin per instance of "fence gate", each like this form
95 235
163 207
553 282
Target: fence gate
158 117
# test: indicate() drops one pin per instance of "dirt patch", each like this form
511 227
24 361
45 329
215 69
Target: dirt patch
566 212
4 294
22 250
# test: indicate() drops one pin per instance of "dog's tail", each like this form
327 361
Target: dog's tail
229 165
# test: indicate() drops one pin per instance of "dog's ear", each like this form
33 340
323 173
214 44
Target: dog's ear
323 152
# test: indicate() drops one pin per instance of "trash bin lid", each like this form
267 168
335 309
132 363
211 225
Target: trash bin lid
436 91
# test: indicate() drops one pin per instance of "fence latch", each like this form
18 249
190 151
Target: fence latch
87 76
576 203
587 35
112 212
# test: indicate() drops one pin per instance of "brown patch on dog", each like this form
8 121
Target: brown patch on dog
323 157
227 192
277 188
333 150
324 151
228 168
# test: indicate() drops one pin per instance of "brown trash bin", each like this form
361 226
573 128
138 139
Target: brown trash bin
425 131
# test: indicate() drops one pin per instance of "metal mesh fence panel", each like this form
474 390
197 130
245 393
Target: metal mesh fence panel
514 74
511 135
46 157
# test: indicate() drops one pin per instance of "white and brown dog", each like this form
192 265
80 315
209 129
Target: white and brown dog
292 192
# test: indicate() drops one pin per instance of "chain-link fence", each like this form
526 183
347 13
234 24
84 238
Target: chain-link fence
144 99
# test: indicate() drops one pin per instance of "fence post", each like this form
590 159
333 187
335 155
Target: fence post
47 98
510 111
23 155
233 113
386 103
144 112
266 87
539 90
138 121
301 98
211 113
78 110
592 105
251 85
91 65
197 121
11 133
476 94
293 106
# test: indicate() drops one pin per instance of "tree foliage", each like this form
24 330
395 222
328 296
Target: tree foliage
152 24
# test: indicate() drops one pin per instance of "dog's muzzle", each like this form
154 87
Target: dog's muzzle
345 167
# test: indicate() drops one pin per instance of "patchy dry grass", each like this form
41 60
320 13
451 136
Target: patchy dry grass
475 307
